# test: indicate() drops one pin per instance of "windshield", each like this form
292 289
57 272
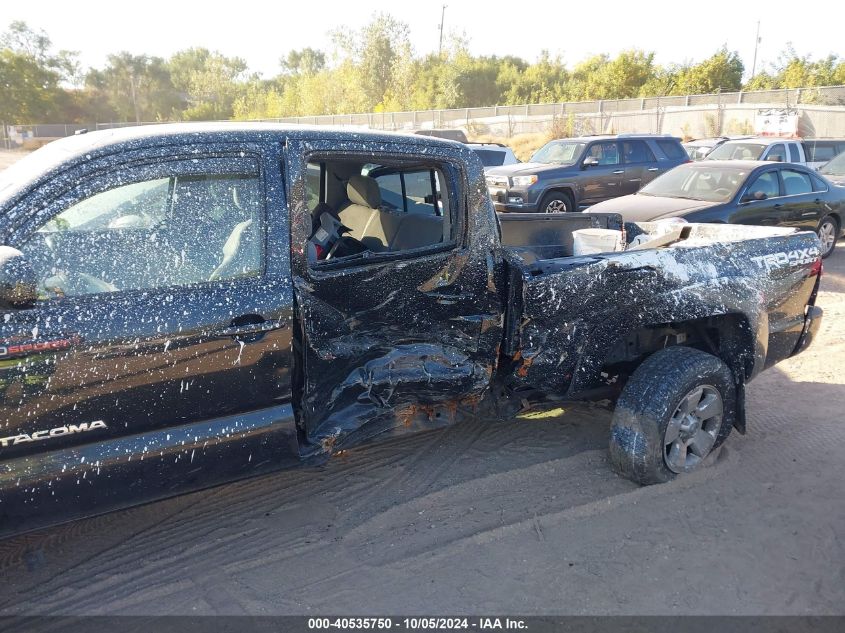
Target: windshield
695 182
558 153
836 167
737 151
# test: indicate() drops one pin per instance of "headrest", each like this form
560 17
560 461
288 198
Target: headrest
363 190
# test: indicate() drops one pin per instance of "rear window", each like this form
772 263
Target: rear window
822 151
490 157
672 149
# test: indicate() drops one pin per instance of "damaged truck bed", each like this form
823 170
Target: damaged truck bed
189 304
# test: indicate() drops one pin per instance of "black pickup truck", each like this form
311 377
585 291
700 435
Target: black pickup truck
187 304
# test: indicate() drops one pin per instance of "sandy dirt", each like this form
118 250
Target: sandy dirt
490 517
7 157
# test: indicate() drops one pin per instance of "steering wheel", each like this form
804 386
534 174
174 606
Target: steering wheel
723 191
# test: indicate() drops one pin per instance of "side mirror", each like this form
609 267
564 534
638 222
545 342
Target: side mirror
18 283
590 161
774 159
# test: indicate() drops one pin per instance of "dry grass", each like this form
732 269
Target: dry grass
523 145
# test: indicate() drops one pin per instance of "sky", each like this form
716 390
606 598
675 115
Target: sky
261 32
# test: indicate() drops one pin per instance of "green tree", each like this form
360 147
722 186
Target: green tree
28 91
210 82
720 73
307 61
36 45
137 87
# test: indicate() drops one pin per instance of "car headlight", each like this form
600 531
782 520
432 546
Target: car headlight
524 181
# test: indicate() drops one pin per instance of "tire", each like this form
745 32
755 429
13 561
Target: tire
655 397
556 202
828 232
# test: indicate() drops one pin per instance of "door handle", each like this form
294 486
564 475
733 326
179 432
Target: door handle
619 171
251 328
654 169
777 206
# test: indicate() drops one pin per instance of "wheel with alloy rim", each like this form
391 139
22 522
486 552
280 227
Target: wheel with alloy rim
827 232
675 410
557 202
692 429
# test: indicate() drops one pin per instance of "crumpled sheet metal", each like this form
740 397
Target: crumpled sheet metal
395 345
574 313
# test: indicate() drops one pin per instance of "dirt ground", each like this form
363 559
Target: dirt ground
486 518
7 157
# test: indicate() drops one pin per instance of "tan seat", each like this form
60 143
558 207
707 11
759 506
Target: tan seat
417 231
382 230
363 216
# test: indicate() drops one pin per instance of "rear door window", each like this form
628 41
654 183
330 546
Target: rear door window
796 182
794 155
636 152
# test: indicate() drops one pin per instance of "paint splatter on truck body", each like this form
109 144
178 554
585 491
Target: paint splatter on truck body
197 376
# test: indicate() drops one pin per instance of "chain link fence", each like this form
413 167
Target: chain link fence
822 113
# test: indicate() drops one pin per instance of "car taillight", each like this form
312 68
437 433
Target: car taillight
817 268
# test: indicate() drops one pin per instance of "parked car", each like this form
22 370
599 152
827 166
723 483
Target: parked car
771 148
176 314
494 154
568 174
834 170
698 149
821 150
740 192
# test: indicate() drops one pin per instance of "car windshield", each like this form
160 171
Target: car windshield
558 152
737 151
836 166
696 182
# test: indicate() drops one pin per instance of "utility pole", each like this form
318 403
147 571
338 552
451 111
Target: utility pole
442 17
756 43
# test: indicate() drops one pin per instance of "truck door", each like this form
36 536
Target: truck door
160 303
406 331
603 173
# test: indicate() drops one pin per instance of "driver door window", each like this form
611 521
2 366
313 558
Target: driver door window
605 153
777 153
173 231
767 184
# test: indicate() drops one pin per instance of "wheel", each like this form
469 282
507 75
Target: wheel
557 202
828 231
678 406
